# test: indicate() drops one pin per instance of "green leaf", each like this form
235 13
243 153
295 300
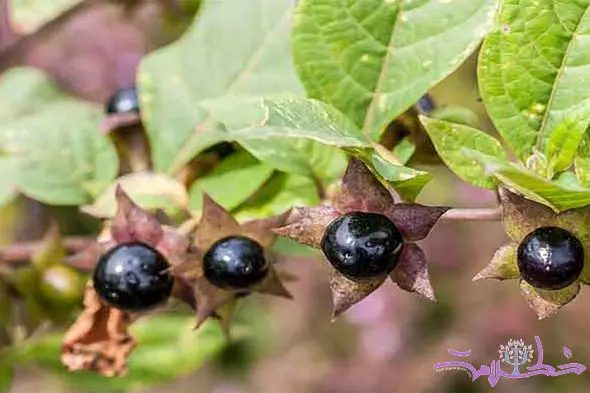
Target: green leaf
231 182
404 150
168 348
56 154
279 194
28 15
449 139
582 161
219 55
24 91
407 182
255 119
564 143
558 195
458 115
534 70
373 59
149 190
6 375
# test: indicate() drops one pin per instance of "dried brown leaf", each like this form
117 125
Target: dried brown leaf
503 265
361 191
411 272
99 339
413 220
346 293
547 303
308 225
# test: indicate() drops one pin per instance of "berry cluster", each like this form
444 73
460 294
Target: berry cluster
363 232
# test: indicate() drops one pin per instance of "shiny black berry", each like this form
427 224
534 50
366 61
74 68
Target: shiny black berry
132 277
235 262
362 245
124 101
550 258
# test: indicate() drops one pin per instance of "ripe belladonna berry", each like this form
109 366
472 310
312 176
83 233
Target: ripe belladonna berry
235 262
124 101
133 277
362 245
550 258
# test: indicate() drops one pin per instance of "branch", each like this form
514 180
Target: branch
483 214
21 252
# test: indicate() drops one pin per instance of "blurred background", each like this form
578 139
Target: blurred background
387 343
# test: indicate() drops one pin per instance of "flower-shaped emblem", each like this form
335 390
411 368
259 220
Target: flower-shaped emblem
396 227
546 252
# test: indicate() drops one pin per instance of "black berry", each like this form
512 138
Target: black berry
362 245
132 277
124 101
550 258
235 262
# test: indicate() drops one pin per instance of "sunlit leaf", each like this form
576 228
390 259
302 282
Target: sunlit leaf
373 59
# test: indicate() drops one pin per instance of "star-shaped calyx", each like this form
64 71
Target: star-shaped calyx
229 260
547 252
366 237
99 339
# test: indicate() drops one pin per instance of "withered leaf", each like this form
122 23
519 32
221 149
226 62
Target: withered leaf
99 339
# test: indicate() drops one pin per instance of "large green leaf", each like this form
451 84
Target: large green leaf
582 161
24 91
233 47
449 140
534 70
56 154
372 59
255 119
231 182
168 347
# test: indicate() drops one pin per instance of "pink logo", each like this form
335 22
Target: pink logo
516 355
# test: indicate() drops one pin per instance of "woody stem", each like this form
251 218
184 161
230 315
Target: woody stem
480 214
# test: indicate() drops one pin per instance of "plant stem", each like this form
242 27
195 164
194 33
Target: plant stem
21 252
480 214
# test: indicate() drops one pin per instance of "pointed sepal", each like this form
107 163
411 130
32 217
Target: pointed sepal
361 191
503 265
308 225
346 292
522 216
411 272
415 221
546 303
